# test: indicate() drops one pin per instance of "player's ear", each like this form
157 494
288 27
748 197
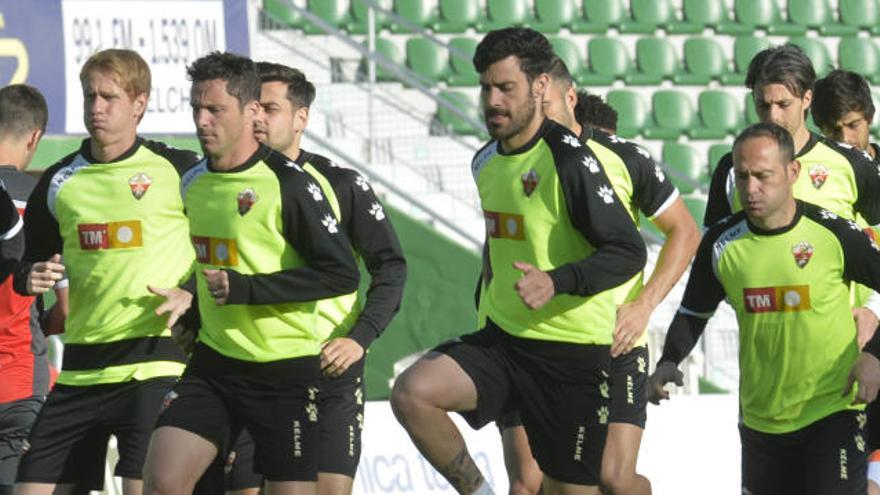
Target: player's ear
301 117
807 98
540 85
140 105
794 170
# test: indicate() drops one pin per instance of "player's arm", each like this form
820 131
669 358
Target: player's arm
659 200
702 295
373 236
719 200
310 227
41 266
603 221
11 238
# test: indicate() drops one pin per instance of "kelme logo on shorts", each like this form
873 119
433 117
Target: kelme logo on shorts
504 225
111 235
777 299
215 251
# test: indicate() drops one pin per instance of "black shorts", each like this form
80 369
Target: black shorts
16 419
827 457
66 439
276 401
340 419
628 378
628 403
872 430
555 385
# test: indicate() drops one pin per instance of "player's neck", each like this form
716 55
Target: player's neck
15 155
780 218
871 151
520 139
110 151
293 150
236 156
577 129
801 137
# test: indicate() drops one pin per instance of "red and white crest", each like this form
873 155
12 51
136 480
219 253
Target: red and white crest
818 175
246 200
139 183
802 252
529 182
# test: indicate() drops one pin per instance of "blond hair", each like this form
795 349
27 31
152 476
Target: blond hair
127 67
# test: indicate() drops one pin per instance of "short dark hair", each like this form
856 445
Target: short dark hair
559 73
838 93
240 74
300 91
592 111
773 131
786 64
22 109
533 49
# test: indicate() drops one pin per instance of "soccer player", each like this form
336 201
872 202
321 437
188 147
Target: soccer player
592 111
268 246
557 240
785 267
25 376
113 209
641 185
843 110
834 176
10 234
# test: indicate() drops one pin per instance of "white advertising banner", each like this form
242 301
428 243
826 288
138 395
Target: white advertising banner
169 35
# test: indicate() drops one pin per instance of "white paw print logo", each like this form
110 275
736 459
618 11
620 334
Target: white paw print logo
606 193
641 364
313 393
591 164
878 169
602 412
292 164
642 151
603 390
377 211
360 420
359 396
315 191
617 139
659 173
853 225
571 140
312 411
330 223
860 442
862 420
867 155
827 215
362 183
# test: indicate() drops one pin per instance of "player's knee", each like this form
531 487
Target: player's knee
408 397
162 483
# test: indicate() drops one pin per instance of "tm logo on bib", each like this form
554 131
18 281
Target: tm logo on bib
111 235
777 299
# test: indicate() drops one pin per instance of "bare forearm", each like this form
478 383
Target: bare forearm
673 260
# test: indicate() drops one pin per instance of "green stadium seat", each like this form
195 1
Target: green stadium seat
750 15
456 16
335 12
698 15
608 61
859 55
704 61
505 13
817 51
818 14
388 49
358 16
719 114
860 14
461 66
656 60
684 166
673 115
648 16
453 122
418 12
716 151
599 16
632 111
427 59
570 54
697 206
279 11
751 114
551 15
744 50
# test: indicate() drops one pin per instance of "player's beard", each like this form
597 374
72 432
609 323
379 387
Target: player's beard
519 120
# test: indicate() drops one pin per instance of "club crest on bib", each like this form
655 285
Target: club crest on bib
139 183
529 182
818 175
802 252
246 200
